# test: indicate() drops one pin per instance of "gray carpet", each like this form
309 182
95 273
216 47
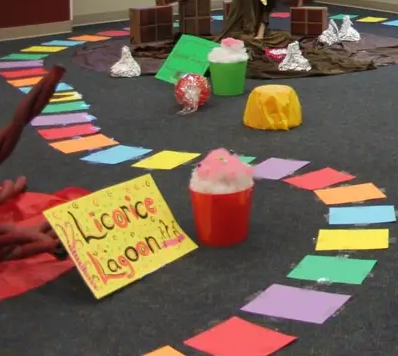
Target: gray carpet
349 124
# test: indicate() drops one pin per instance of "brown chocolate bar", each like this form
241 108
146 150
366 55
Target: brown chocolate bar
151 24
195 17
308 20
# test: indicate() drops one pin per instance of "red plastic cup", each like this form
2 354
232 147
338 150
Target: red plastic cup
222 219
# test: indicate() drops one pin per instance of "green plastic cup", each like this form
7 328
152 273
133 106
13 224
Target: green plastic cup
228 79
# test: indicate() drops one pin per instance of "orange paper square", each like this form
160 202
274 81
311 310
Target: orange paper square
26 82
165 351
84 143
350 194
89 38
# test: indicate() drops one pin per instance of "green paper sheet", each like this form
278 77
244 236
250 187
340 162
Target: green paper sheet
247 159
66 107
332 269
189 55
25 56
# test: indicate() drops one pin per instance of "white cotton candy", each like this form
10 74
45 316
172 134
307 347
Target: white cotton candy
233 54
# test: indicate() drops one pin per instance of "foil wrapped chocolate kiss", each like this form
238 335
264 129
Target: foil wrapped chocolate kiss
294 60
126 66
331 35
347 31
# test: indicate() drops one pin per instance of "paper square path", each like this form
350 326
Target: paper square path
116 154
357 239
277 168
341 16
238 337
166 160
165 351
350 194
319 179
372 19
286 302
361 215
332 269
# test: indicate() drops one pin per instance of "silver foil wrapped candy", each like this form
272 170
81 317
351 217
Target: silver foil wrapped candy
331 35
126 66
348 32
294 60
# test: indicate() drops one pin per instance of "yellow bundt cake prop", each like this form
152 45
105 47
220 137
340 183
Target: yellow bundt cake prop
273 107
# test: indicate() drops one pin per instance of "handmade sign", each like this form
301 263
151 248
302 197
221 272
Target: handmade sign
119 234
189 55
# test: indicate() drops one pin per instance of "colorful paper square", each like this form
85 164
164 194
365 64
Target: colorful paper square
350 194
280 15
371 19
277 168
362 215
293 303
247 159
25 56
62 43
66 107
44 49
341 16
218 17
89 38
117 154
391 23
319 179
238 337
332 269
24 82
166 160
357 239
62 119
165 351
69 131
84 144
21 73
114 33
21 64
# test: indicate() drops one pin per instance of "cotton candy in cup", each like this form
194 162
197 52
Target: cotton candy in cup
221 191
228 66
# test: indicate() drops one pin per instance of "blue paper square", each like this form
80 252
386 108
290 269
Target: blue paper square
361 215
63 43
60 87
218 17
391 23
117 154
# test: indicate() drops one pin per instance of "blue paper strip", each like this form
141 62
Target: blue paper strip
116 154
60 87
360 215
63 43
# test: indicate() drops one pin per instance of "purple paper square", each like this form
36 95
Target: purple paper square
293 303
277 168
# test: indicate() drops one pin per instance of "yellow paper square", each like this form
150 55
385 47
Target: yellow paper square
166 160
44 49
119 234
165 351
372 19
71 97
334 240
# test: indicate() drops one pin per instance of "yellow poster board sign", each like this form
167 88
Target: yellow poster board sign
119 234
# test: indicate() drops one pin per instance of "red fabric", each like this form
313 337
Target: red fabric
20 276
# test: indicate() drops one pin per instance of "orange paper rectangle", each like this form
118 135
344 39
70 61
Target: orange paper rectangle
350 194
26 82
84 143
89 38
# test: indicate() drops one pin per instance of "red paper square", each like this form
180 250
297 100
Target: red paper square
237 337
322 178
68 131
114 33
280 15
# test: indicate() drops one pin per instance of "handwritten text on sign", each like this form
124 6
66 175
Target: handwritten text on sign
119 234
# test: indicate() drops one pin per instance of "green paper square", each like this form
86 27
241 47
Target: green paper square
189 55
340 16
25 56
247 159
332 269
